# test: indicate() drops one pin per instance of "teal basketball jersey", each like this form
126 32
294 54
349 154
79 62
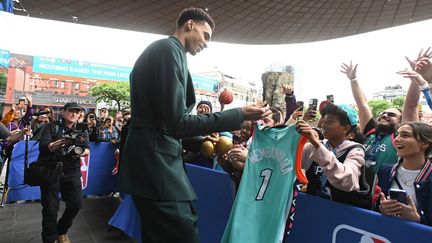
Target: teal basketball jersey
380 151
263 200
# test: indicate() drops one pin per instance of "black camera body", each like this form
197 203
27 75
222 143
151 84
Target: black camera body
76 144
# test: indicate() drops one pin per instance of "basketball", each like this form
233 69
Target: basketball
224 145
207 149
226 97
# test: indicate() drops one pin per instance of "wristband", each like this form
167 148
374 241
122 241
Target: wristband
424 86
353 79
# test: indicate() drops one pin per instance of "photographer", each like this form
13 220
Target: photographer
62 141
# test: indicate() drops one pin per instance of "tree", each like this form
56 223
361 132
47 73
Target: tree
3 81
378 106
116 91
398 102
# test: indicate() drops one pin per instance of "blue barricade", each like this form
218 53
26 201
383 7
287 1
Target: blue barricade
320 220
215 193
315 220
95 169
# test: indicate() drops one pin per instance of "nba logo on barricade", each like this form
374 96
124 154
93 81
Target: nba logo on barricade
84 170
344 233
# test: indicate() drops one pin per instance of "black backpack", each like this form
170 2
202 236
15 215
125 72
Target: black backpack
360 198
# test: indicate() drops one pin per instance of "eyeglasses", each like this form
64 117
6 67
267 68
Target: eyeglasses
389 114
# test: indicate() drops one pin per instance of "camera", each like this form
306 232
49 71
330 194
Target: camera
76 141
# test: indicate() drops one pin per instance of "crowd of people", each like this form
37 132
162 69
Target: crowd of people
23 117
353 157
54 147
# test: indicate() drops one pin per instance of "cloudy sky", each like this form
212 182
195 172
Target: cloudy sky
317 65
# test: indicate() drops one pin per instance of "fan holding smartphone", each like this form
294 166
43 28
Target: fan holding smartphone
298 113
407 186
311 112
399 195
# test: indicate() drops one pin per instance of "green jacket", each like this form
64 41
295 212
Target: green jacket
162 96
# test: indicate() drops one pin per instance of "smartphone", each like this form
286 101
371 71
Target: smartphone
399 195
313 104
236 139
21 103
299 105
330 98
91 116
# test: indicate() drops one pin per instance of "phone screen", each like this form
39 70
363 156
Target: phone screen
330 98
236 139
313 103
399 195
299 105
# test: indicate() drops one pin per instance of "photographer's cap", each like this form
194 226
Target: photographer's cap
72 106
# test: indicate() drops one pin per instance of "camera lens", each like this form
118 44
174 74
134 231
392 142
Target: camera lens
78 150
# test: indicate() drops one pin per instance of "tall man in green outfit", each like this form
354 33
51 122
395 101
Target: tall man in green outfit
162 96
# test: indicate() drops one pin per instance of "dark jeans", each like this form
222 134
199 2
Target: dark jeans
70 188
167 221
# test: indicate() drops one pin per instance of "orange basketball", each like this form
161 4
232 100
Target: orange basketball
226 97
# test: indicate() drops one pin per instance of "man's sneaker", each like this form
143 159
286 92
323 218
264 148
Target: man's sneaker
63 239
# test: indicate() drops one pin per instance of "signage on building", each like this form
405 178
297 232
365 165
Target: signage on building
205 84
4 58
74 68
48 98
80 101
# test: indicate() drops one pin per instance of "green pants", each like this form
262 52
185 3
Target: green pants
167 221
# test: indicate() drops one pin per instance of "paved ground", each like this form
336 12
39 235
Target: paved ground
21 222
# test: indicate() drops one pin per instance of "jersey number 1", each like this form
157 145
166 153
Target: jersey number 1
266 174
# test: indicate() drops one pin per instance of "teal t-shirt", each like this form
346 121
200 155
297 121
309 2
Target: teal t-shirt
264 197
379 150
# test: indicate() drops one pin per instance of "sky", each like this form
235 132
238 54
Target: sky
380 54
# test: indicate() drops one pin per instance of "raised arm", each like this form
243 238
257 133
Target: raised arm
290 100
424 68
410 111
365 113
417 79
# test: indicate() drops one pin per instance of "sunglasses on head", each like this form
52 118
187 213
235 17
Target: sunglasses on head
389 114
